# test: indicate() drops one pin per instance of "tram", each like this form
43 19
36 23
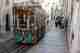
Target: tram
30 24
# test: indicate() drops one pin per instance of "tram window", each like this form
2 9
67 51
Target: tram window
19 12
32 20
29 11
21 21
22 26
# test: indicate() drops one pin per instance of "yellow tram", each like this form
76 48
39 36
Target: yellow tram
30 24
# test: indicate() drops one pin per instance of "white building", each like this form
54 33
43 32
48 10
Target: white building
73 33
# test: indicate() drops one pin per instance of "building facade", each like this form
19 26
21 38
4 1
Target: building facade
73 33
